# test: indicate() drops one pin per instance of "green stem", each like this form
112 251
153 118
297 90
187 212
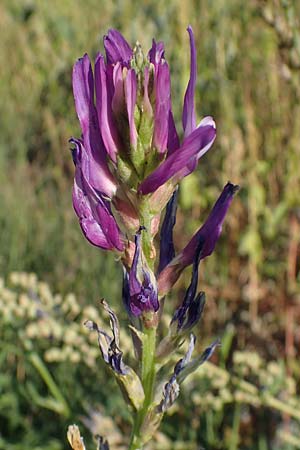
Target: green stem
148 379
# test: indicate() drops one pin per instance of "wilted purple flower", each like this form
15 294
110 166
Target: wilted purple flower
209 234
109 345
142 284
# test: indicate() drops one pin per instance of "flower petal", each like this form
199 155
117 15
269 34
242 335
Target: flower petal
188 115
173 139
117 48
162 107
130 96
208 235
210 231
108 129
96 165
90 228
156 53
95 217
167 250
182 161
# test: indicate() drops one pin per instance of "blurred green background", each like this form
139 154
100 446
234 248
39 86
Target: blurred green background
249 80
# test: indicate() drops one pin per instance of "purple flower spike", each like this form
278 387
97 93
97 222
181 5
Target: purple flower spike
117 48
188 115
182 161
143 294
162 107
208 234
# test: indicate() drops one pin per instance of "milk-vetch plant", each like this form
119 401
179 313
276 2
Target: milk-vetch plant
128 164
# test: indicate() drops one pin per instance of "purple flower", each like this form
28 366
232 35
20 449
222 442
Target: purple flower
208 235
190 311
93 210
142 285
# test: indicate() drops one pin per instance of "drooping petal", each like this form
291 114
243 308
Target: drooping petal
188 115
167 250
95 154
130 96
107 126
208 234
212 228
162 108
90 227
117 48
183 160
96 219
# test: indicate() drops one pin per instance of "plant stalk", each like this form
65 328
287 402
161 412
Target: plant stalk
148 379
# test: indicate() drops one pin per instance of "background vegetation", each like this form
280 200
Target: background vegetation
249 80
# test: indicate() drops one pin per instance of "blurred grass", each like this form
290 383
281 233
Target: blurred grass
249 80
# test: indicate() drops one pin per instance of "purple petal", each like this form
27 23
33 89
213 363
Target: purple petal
167 250
95 217
95 154
117 48
147 107
210 231
90 228
143 294
183 160
156 52
173 139
134 284
130 96
162 108
118 100
208 234
188 115
104 109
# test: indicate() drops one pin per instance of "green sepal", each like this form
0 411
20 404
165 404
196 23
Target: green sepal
131 388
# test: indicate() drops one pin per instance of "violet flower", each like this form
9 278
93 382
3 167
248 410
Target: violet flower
209 234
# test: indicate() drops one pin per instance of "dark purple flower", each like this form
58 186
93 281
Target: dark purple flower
209 234
190 311
142 285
